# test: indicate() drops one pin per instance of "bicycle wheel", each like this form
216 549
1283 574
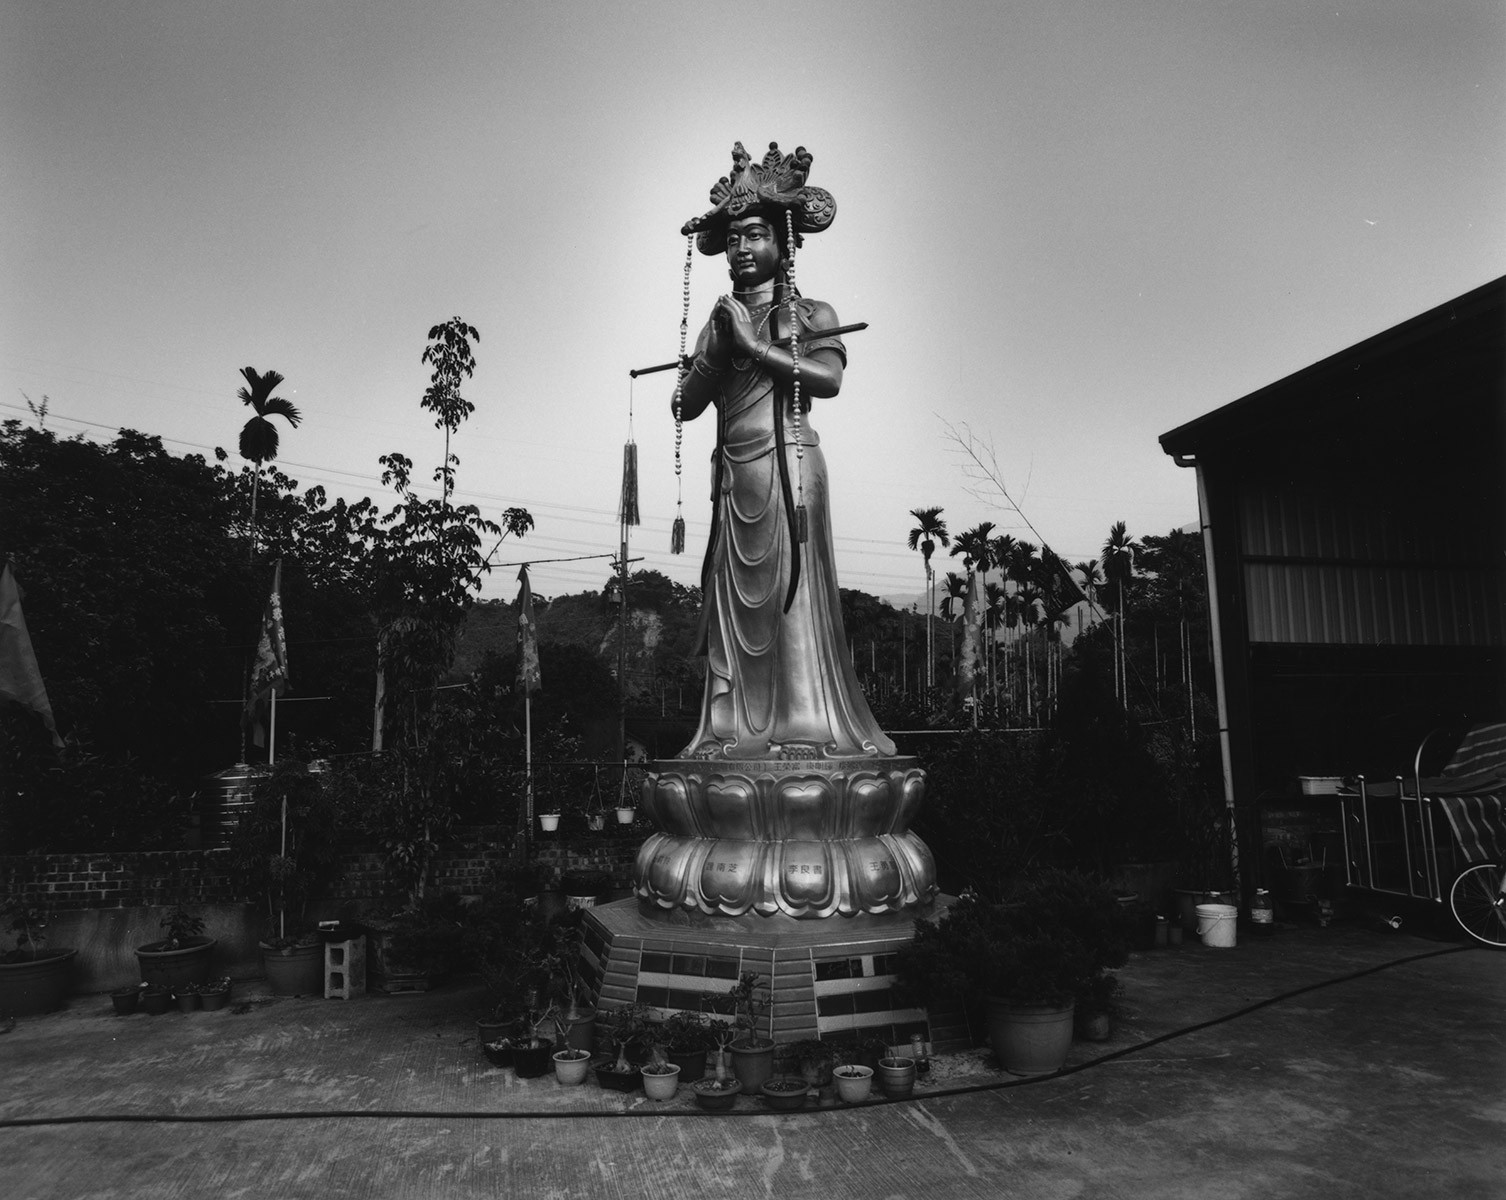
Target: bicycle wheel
1478 904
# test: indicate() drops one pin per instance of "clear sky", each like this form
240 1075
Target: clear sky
1070 226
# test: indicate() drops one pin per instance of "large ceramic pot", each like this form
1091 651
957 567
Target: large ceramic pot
189 963
752 1064
295 971
1030 1040
36 985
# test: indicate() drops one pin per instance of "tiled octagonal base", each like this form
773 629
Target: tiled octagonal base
831 979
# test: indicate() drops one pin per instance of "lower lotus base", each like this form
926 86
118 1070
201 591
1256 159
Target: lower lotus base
830 979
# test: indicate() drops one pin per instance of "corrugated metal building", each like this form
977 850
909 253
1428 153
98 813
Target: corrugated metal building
1355 517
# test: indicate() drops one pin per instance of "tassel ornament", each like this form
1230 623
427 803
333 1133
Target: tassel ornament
677 535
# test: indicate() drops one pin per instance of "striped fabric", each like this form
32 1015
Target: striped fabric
1481 753
1471 792
1480 825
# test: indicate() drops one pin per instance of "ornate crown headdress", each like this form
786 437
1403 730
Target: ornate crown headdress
776 185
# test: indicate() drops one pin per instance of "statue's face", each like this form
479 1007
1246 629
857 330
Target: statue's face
752 251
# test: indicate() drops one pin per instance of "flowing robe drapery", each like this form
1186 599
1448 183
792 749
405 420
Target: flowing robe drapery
779 684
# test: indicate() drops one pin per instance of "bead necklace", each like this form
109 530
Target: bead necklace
801 531
677 530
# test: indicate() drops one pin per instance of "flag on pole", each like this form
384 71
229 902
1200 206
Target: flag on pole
1062 591
972 640
269 670
20 677
529 679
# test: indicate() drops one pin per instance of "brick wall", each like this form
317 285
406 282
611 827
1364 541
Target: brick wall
197 877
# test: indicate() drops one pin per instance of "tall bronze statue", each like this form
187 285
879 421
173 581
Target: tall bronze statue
789 798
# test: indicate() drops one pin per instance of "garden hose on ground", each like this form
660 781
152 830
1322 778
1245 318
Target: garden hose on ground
400 1114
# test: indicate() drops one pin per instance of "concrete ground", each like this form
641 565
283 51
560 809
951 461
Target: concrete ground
1379 1070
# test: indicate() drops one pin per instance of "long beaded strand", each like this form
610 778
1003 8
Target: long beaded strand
677 530
801 521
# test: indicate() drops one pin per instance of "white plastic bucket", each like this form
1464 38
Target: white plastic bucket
1216 924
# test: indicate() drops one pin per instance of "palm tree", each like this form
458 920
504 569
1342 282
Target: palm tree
1091 578
929 530
259 439
1118 569
951 606
976 547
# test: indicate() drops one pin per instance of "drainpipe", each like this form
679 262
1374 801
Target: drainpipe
1219 687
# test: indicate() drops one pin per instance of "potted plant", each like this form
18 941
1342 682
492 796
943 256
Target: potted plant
896 1076
567 987
182 956
625 1030
33 980
125 999
784 1093
187 997
661 1078
285 848
752 1054
411 950
533 1054
215 994
720 1091
549 822
863 1050
294 963
1096 1008
156 998
1024 961
816 1057
685 1038
571 1063
507 941
584 887
625 814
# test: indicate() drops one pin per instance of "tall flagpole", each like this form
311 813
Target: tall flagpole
528 756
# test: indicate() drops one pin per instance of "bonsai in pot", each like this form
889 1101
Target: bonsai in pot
1024 961
561 964
180 957
685 1038
571 1063
752 1054
33 980
814 1059
718 1092
661 1078
626 1030
533 1053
